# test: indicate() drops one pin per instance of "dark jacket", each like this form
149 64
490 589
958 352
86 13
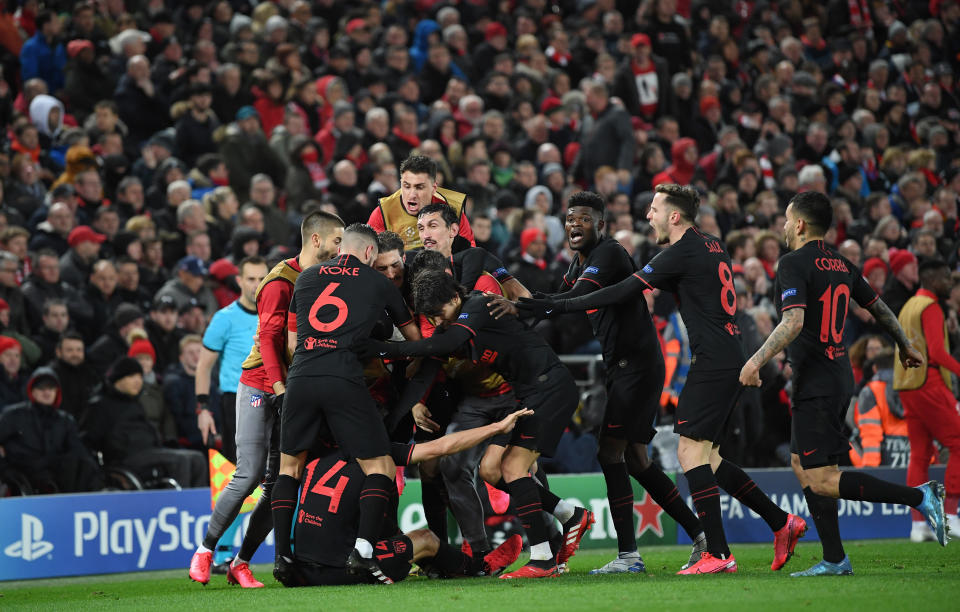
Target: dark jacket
609 142
45 238
36 292
86 84
44 439
18 309
79 385
143 114
118 427
108 348
246 155
166 344
181 402
74 271
625 88
194 138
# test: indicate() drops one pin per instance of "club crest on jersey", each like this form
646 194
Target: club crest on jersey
648 268
592 270
788 293
463 316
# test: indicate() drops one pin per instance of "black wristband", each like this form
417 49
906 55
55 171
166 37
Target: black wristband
203 398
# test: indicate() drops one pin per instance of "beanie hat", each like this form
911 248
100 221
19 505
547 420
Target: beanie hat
142 346
530 235
901 259
7 343
123 367
872 264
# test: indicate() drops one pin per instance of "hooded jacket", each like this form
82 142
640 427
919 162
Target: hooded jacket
31 431
40 108
680 171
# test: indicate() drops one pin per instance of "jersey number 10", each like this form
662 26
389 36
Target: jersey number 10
831 313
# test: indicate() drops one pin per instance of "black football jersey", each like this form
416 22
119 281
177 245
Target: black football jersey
337 303
819 279
325 527
624 329
696 269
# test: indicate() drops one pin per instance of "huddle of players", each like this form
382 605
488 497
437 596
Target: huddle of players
338 303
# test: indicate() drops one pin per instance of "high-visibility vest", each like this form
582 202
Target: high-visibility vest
883 435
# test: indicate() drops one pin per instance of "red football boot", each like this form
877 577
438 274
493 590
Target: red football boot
785 540
200 567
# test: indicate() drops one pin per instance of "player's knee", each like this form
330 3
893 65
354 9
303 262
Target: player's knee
820 486
425 543
608 456
489 470
638 460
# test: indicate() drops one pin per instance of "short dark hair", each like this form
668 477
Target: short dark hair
883 360
253 260
588 199
51 302
390 241
42 18
929 266
319 222
814 208
70 334
684 199
419 164
446 212
364 230
432 289
427 260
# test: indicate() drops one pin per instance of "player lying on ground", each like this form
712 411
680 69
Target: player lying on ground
539 380
326 526
814 286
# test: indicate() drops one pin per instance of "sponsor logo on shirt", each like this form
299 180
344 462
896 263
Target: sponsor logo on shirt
788 293
592 270
463 316
648 268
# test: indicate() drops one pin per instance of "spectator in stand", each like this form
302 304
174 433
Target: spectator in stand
77 263
531 268
118 428
189 284
13 376
56 320
43 442
43 55
178 392
903 280
79 381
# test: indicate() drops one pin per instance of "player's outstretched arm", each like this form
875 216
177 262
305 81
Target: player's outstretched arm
629 288
783 334
462 440
909 356
438 345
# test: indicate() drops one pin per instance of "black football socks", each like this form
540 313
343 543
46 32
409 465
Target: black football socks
735 481
706 499
620 498
864 487
283 503
823 510
664 491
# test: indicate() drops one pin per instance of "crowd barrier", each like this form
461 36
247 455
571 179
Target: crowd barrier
99 533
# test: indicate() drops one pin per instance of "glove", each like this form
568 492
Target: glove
540 308
368 348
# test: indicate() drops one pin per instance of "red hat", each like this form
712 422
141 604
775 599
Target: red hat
900 259
222 268
83 233
494 29
708 102
529 235
872 264
550 103
4 305
7 343
357 23
74 47
639 39
142 346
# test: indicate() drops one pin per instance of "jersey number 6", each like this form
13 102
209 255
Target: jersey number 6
326 298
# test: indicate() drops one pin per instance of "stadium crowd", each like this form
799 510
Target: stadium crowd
149 147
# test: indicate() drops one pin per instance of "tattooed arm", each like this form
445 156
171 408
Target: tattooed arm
782 335
909 356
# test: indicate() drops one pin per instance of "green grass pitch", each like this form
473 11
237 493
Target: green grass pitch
890 575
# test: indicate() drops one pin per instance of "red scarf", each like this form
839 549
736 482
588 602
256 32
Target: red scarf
860 14
820 46
561 59
410 139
